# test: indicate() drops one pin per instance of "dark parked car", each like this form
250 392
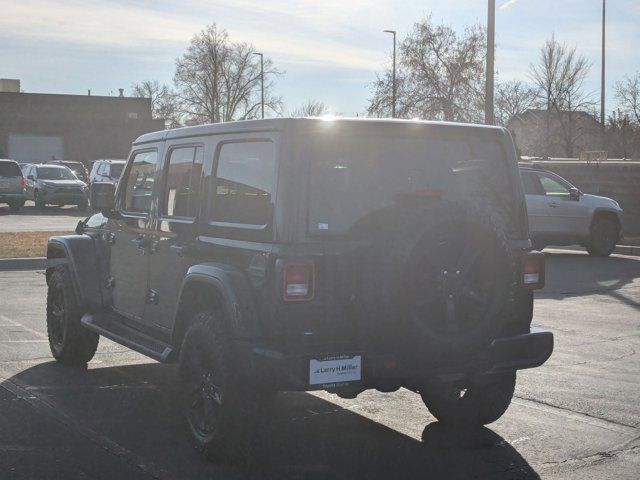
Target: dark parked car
54 185
303 254
78 168
12 184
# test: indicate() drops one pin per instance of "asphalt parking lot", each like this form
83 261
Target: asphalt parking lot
49 219
577 417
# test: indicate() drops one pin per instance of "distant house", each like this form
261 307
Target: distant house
555 134
36 127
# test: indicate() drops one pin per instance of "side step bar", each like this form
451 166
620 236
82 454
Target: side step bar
110 325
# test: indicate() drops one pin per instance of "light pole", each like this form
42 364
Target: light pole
489 116
393 85
261 81
602 72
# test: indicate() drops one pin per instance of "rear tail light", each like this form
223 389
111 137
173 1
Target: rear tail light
298 281
533 270
24 183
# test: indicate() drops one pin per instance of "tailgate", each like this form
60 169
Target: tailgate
10 185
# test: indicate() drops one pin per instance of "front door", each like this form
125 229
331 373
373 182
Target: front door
174 238
132 239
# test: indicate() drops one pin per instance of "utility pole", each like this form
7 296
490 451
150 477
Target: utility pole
489 117
261 81
393 85
602 72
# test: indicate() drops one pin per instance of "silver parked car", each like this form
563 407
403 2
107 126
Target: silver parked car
560 214
56 185
12 184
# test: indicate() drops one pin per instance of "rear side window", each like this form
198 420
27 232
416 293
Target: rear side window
139 188
182 191
10 169
244 183
531 184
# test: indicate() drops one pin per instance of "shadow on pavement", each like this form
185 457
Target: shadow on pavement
138 408
575 274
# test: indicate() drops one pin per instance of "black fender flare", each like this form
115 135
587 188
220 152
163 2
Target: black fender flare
79 253
235 298
600 211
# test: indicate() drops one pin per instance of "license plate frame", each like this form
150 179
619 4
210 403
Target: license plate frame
335 370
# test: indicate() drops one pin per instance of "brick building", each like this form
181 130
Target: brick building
38 127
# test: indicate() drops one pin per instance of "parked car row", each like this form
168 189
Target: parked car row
55 182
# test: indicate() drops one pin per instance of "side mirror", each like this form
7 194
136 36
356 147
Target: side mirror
30 177
574 193
102 197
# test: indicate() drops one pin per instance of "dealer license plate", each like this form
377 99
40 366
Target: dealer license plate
335 370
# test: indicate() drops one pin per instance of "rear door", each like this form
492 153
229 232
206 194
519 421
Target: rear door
537 204
174 236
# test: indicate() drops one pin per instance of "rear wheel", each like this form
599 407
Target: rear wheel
38 200
604 236
16 205
220 407
70 342
83 205
471 405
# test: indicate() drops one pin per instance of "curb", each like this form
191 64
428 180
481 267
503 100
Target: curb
628 250
36 263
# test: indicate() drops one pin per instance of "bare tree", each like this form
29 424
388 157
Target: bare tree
164 103
440 75
312 108
219 80
628 96
559 78
512 98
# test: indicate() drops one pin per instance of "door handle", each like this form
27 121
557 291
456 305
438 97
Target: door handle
554 205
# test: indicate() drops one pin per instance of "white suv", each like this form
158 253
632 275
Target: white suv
560 214
106 171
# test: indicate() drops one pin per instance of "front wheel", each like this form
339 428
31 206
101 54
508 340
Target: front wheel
70 342
16 205
604 236
470 405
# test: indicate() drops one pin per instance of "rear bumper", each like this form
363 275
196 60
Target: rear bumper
291 372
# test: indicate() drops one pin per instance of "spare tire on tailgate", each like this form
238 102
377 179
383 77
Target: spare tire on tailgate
439 280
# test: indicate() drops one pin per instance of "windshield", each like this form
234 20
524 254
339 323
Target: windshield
116 170
55 173
355 175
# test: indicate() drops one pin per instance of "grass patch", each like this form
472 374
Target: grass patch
25 244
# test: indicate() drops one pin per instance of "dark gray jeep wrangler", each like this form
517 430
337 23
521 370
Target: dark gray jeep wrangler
305 254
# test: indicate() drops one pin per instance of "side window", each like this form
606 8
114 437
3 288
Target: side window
531 184
182 187
244 183
139 186
553 187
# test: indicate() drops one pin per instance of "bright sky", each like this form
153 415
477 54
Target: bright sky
329 49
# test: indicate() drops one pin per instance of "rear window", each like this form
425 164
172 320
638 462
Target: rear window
116 170
354 175
10 169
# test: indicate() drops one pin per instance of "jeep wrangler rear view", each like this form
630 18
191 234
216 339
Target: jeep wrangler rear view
305 254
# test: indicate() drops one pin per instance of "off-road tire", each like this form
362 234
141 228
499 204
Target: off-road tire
210 371
16 205
38 200
396 255
474 406
604 236
70 343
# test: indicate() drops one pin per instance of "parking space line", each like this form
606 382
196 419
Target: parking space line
25 341
13 323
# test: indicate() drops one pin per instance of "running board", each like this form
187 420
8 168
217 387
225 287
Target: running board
110 325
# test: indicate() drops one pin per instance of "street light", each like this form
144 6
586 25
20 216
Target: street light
261 81
489 116
393 87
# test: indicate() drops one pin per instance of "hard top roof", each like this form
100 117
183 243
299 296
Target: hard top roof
271 124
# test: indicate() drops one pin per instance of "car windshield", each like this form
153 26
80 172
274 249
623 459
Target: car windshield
356 174
116 170
55 173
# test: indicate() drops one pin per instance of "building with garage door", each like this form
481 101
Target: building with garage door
37 127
